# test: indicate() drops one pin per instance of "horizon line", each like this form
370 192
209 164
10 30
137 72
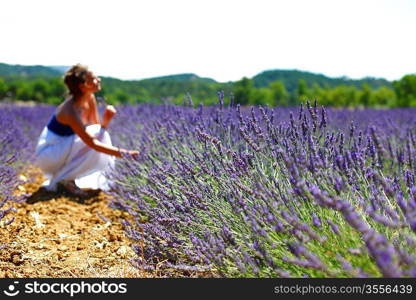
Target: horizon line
345 77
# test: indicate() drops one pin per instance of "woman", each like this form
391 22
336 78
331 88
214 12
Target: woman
74 150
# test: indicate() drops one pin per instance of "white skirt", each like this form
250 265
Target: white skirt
69 158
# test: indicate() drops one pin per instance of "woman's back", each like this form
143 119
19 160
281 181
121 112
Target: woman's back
68 110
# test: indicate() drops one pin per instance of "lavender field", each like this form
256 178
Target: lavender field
254 191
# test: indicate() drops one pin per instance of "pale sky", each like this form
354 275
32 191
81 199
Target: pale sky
221 39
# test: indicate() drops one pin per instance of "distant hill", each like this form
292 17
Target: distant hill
199 87
13 71
290 79
179 77
61 69
159 88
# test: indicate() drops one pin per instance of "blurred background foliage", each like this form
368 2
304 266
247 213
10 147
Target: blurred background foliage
43 84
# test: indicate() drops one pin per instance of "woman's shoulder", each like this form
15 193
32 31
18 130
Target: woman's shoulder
65 109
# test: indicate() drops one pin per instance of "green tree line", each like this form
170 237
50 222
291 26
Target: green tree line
401 93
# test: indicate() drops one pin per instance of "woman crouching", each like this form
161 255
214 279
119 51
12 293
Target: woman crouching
74 149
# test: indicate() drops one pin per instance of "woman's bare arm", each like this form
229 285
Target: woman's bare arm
93 112
73 120
108 114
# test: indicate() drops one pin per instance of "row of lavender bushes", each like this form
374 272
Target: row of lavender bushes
19 128
254 191
270 192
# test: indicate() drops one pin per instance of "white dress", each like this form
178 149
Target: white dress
69 158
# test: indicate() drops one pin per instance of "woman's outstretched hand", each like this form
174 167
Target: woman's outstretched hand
124 153
134 154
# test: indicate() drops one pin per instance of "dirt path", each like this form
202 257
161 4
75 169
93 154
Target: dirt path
55 235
